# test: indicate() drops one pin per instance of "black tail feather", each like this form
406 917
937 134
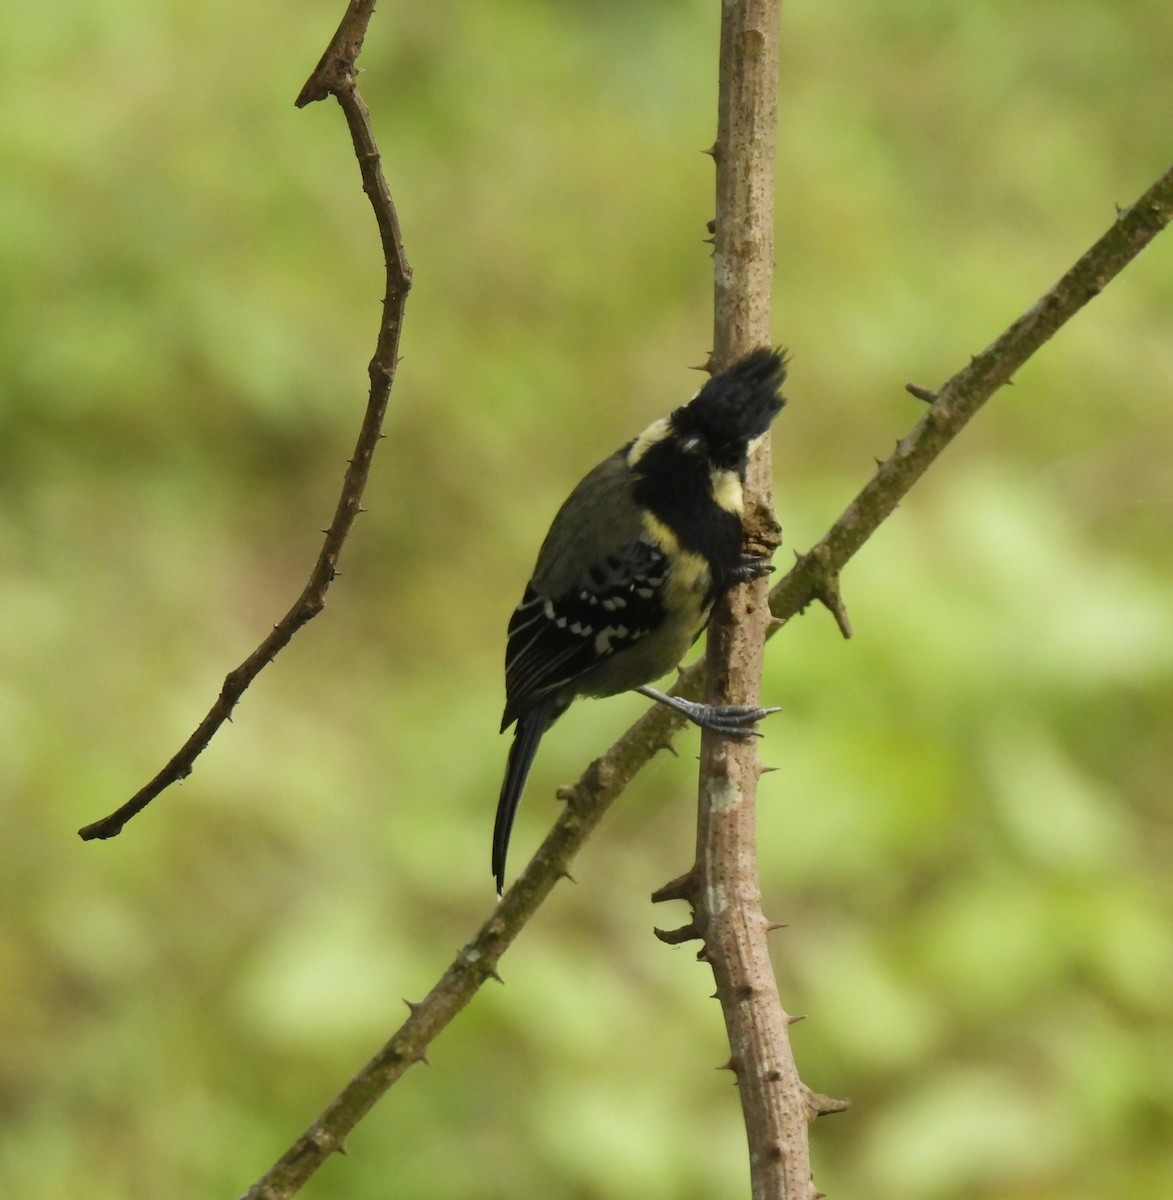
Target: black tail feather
530 726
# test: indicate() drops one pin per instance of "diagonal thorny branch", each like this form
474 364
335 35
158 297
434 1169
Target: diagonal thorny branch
814 576
334 75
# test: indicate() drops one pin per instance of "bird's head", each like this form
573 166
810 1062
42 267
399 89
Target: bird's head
733 409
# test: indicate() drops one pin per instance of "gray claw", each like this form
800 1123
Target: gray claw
751 567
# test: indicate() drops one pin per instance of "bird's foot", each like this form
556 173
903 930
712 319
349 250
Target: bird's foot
751 567
731 720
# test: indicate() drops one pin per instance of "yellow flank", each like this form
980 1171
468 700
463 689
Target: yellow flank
657 431
661 534
726 487
689 577
690 574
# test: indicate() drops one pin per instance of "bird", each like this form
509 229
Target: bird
634 560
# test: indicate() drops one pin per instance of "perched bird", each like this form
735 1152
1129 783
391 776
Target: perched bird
627 576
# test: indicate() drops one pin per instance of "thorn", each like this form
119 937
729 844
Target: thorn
423 1059
834 601
413 1006
674 889
708 241
322 1139
675 937
792 1019
921 393
712 150
323 531
563 873
493 973
826 587
667 745
734 1064
359 510
764 770
772 925
819 1105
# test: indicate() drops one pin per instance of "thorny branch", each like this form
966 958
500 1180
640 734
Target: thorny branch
722 886
816 575
334 75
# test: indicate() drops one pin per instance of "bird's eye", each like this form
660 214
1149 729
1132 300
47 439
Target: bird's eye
693 445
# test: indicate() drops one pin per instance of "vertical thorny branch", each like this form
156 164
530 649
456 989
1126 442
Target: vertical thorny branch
722 886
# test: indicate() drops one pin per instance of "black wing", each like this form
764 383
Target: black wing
555 640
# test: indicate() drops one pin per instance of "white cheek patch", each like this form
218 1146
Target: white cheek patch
726 487
657 431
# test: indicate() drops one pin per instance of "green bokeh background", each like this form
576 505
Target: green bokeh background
969 834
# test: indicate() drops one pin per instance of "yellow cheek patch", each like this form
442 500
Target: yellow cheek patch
726 487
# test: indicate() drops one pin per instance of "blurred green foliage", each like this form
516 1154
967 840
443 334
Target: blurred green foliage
970 833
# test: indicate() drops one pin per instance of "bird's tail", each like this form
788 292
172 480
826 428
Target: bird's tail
530 726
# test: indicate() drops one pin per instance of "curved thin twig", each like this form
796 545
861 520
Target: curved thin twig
608 776
333 76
